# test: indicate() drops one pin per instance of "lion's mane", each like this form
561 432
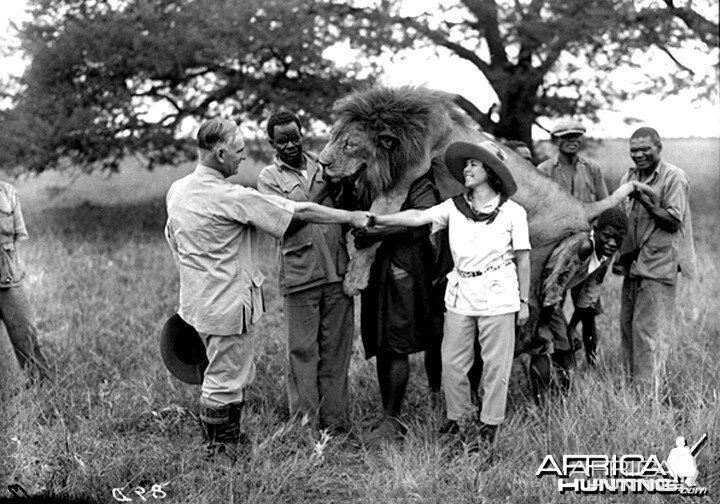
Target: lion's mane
412 114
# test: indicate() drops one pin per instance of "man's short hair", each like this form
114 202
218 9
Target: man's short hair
647 132
516 144
279 118
613 217
216 132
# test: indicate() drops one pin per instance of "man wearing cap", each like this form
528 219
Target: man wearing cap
319 316
657 247
15 309
583 179
213 229
487 291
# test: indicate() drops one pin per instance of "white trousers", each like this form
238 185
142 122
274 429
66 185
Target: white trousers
496 335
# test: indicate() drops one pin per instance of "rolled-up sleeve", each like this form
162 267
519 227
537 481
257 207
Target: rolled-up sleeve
271 214
520 234
675 196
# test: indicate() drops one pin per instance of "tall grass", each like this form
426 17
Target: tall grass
102 283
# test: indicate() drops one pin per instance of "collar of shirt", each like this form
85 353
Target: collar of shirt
487 207
305 166
579 160
654 176
204 170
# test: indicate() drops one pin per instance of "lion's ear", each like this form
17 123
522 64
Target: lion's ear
387 141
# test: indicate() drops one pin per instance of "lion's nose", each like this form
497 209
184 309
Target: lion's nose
324 166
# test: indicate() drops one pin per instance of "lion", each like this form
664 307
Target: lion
385 138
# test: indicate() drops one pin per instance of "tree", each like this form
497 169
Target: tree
536 53
108 78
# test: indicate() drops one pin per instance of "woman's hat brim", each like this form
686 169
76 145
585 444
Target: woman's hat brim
487 153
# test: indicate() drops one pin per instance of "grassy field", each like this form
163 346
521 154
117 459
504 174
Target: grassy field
102 282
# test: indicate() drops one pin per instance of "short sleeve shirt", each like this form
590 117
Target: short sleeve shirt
12 230
477 246
214 229
584 181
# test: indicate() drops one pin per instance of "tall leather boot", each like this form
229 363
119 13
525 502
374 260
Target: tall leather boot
221 424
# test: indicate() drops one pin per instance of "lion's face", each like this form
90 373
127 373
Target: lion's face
348 153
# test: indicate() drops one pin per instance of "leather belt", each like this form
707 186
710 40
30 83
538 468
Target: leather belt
494 267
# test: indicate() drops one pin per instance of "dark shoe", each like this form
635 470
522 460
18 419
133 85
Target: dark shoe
449 427
487 432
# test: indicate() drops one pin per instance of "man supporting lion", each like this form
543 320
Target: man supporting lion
580 260
319 316
658 246
213 229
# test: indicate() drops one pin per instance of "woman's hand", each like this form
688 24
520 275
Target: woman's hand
523 314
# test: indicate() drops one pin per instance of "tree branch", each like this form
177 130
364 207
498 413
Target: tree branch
675 60
487 15
702 27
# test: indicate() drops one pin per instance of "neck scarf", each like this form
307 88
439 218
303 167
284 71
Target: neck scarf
463 206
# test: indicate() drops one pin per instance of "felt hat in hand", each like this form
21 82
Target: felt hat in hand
183 351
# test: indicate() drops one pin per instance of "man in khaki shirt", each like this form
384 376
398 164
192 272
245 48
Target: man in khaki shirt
213 230
583 179
319 316
657 247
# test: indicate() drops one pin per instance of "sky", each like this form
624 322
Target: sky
675 116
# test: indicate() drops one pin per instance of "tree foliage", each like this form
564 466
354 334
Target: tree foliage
108 78
556 57
112 77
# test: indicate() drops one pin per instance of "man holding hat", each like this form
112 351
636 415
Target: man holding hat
213 229
583 179
487 291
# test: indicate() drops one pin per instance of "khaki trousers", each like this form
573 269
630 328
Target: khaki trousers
496 336
319 327
231 368
15 312
646 317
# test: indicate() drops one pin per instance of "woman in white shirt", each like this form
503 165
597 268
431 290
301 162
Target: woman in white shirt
487 290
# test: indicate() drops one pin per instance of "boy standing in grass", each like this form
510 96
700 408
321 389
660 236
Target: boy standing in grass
213 230
14 304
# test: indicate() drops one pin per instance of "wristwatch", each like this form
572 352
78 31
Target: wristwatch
524 300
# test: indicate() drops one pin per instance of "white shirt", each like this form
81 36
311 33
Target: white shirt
214 230
477 245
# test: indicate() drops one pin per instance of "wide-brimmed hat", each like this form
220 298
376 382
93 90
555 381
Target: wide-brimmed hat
568 127
487 153
183 351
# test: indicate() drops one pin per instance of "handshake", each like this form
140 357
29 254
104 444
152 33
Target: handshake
361 220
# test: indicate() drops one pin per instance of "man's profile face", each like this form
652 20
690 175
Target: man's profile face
569 144
644 152
231 154
608 240
287 141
